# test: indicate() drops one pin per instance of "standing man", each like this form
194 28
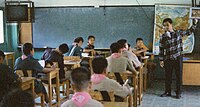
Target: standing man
170 55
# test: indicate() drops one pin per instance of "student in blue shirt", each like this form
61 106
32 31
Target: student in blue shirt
27 62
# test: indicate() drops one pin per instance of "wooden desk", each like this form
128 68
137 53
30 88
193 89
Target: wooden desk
115 104
51 75
27 83
10 55
71 64
191 72
90 58
151 55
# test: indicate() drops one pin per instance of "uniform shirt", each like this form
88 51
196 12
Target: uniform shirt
90 103
54 56
28 64
110 85
131 56
89 47
75 50
119 64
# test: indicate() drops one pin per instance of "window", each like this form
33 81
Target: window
1 27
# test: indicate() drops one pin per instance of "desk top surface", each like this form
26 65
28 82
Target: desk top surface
6 53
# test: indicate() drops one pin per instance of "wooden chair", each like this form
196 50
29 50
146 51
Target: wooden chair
140 83
20 73
145 72
63 83
97 95
125 76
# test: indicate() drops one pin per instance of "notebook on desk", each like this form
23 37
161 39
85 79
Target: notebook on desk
42 63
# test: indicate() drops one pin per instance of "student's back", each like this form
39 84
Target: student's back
90 103
120 64
28 64
7 80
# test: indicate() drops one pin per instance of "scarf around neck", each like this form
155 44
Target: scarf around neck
97 78
81 98
116 55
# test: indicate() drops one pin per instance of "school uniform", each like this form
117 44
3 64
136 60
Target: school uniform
75 50
102 83
29 63
131 56
55 56
81 99
118 63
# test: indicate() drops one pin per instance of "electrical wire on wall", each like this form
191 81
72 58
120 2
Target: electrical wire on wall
160 26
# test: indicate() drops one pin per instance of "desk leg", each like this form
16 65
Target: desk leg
50 91
57 89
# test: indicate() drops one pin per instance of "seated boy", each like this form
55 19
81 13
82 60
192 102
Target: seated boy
17 98
102 83
75 49
140 48
27 62
56 55
124 48
8 80
81 81
90 46
118 63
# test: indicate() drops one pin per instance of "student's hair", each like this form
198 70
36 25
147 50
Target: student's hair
99 64
80 78
114 47
64 48
17 98
167 20
78 39
122 43
27 48
139 39
91 36
129 45
2 54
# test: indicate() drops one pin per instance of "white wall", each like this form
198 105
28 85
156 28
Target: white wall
47 3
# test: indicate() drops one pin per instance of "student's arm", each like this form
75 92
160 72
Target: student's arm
138 52
38 67
130 66
46 70
118 89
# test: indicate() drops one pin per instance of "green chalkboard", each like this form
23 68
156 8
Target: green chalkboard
57 25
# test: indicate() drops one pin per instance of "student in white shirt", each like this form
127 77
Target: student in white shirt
81 80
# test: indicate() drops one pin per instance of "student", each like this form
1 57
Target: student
81 80
171 54
90 46
102 83
8 80
116 62
56 55
124 48
17 98
27 62
75 49
140 48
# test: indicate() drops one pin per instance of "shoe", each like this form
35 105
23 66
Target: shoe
178 95
166 94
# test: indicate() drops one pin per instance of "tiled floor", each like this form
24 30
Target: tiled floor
190 96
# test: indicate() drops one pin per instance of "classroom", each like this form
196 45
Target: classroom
99 53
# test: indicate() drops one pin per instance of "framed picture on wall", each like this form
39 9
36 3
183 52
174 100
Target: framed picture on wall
180 17
194 13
